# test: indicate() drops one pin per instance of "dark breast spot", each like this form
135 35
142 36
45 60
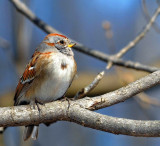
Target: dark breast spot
63 65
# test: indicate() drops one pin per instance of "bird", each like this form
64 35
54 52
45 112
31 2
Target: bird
47 76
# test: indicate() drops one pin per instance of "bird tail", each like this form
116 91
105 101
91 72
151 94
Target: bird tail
30 131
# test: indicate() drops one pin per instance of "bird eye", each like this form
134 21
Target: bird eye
62 42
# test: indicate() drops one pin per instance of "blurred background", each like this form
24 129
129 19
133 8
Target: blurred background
104 25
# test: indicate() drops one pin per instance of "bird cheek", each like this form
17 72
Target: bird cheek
58 46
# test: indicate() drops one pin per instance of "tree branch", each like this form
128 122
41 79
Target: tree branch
84 91
78 111
140 36
121 94
132 44
114 125
22 8
147 16
59 111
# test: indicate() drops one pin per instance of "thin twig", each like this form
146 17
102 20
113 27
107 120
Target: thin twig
84 91
137 39
147 16
140 36
22 8
123 93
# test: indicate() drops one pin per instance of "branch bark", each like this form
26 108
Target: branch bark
121 94
61 111
84 91
22 8
78 111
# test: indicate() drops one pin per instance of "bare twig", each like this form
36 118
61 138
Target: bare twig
128 64
140 36
137 39
22 8
121 94
83 92
147 16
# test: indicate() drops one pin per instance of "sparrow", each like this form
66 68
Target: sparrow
47 76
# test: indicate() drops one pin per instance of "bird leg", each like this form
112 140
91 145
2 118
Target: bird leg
64 98
34 103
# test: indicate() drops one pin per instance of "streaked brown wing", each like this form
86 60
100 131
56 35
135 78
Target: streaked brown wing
32 70
27 77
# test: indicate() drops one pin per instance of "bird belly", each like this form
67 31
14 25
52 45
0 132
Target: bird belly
52 90
57 82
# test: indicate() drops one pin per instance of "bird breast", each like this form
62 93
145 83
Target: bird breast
59 75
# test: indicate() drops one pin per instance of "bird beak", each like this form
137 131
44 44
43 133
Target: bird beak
71 44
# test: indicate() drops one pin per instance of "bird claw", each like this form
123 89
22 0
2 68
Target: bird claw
34 104
38 107
64 98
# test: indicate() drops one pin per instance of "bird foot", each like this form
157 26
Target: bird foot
34 104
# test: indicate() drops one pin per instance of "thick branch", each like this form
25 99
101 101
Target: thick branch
77 111
121 94
114 125
25 115
22 8
52 112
